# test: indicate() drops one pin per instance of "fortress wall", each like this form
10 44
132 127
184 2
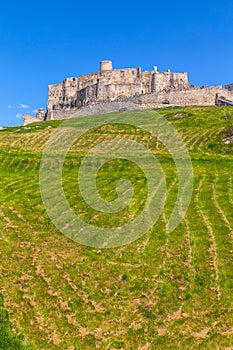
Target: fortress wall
195 96
201 97
228 94
62 93
145 88
99 108
87 80
55 96
115 76
146 82
179 78
55 91
165 80
28 119
162 81
87 95
69 92
119 76
114 91
109 85
205 96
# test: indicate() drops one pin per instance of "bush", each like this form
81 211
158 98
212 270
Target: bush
8 340
229 124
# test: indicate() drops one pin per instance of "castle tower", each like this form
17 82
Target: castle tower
105 65
40 114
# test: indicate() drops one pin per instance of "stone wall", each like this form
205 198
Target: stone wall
99 108
227 94
29 119
110 85
132 87
205 96
40 116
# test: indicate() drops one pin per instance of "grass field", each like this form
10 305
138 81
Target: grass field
160 292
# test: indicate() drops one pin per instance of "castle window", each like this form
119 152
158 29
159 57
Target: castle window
142 91
122 74
133 72
98 80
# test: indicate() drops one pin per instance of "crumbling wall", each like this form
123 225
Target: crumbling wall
28 119
110 85
40 116
227 94
204 96
167 80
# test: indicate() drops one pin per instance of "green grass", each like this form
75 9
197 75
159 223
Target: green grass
8 340
160 292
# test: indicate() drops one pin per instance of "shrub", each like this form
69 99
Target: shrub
8 340
229 124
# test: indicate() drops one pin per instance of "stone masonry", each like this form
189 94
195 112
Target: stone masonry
110 85
40 116
111 90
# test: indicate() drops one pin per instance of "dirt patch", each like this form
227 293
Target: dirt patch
162 332
177 315
202 334
55 339
84 332
147 346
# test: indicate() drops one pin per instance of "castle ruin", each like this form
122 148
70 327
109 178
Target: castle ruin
131 88
109 85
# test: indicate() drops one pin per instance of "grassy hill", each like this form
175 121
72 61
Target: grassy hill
160 292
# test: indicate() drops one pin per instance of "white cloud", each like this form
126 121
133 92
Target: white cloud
34 110
19 115
22 105
10 106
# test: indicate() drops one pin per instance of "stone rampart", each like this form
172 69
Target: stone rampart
205 96
110 85
132 87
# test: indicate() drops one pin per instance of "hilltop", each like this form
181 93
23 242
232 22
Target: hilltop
111 90
158 292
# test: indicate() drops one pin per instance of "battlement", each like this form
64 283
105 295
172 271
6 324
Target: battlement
129 85
110 85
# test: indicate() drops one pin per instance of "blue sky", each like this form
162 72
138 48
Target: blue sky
44 42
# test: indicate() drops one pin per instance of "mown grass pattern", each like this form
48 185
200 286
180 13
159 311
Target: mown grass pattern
162 291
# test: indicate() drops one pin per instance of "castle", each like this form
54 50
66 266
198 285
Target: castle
110 84
130 88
